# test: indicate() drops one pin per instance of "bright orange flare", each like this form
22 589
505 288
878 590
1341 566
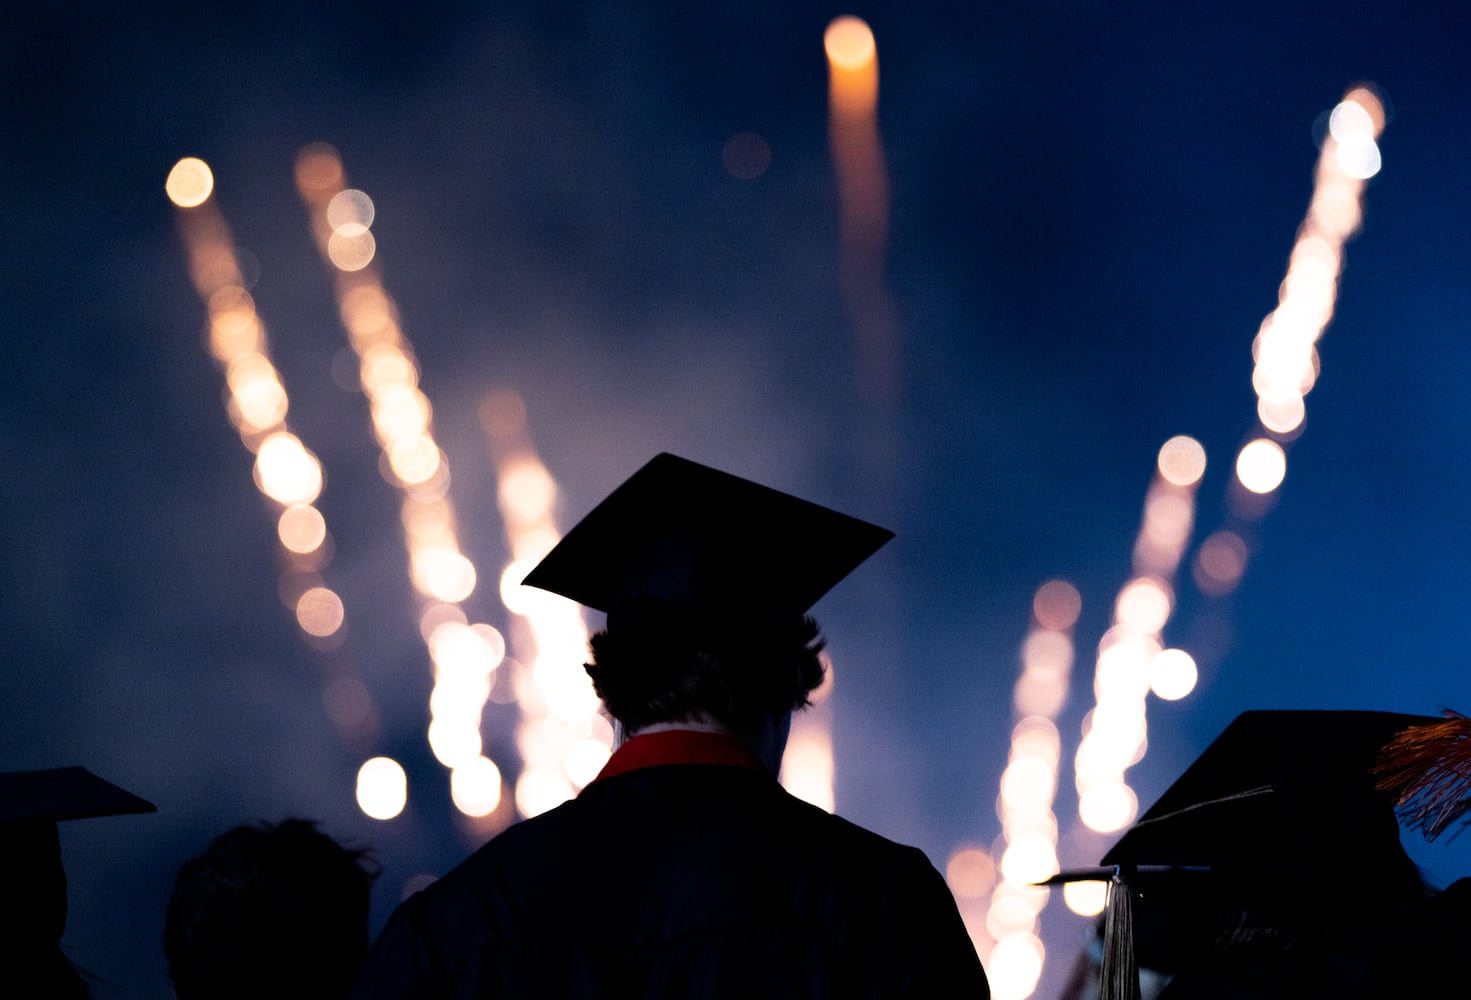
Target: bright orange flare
318 169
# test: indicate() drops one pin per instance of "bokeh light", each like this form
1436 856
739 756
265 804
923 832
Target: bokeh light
189 183
746 155
1057 605
1220 562
1182 461
319 612
475 787
301 528
1085 898
286 472
849 43
1172 674
1261 466
970 873
382 788
1015 966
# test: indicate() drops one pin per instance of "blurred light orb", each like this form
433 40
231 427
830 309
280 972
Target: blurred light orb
1027 784
1220 562
1106 808
539 789
318 168
1037 738
301 528
807 767
1182 461
1015 966
453 741
970 872
347 702
518 598
319 612
849 43
1029 859
350 212
526 490
475 787
1358 156
189 183
1056 605
453 645
585 758
1349 119
444 574
351 252
1261 466
1367 99
1172 674
1144 605
1282 414
1086 899
746 156
414 459
286 472
382 789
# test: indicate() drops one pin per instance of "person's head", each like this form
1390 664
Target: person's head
744 676
270 910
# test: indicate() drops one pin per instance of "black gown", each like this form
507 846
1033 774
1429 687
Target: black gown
681 880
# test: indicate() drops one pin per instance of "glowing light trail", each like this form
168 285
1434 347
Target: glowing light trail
1130 654
1284 350
1006 934
563 738
285 470
863 199
465 656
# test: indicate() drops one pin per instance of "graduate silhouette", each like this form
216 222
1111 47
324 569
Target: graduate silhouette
685 869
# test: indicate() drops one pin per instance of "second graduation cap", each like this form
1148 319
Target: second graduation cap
683 536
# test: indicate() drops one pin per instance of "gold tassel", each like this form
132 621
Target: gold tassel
1428 771
1119 978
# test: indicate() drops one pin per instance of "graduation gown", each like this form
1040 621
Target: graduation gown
685 870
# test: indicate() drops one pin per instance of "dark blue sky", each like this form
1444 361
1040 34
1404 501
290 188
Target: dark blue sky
1092 209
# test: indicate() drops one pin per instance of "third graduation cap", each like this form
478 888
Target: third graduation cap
1281 801
683 536
1277 789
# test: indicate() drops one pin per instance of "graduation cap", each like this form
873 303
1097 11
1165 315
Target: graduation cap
682 537
1280 800
33 906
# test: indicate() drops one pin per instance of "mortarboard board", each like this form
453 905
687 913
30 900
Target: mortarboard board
33 906
1290 790
64 793
680 535
1284 798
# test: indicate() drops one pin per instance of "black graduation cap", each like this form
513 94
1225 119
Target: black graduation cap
33 905
64 793
1281 800
677 535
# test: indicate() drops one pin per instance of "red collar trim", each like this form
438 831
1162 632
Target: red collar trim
678 746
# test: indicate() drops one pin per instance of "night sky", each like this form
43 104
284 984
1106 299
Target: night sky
1092 208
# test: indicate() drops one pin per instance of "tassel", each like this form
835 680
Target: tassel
1428 771
1120 974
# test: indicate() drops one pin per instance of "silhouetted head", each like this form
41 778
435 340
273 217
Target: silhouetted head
706 579
278 910
678 670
